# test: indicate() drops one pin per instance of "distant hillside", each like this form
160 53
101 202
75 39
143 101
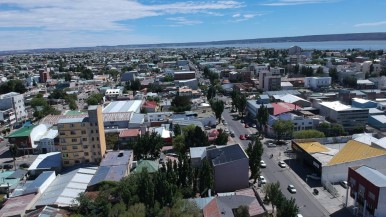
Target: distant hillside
378 36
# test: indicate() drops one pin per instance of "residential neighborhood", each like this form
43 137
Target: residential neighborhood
193 132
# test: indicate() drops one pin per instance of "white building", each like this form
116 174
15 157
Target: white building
16 102
123 106
317 82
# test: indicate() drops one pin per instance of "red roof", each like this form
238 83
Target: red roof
211 209
283 107
150 104
129 133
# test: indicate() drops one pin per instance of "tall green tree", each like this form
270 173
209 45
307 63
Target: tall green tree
273 194
177 130
255 152
222 138
148 146
308 134
283 128
218 108
211 92
206 177
94 99
262 117
241 104
288 208
333 72
181 104
135 85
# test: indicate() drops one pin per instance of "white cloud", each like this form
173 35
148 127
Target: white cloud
381 23
72 18
236 15
296 2
182 21
247 16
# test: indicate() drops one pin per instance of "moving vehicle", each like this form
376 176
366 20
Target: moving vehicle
262 180
282 164
263 164
291 189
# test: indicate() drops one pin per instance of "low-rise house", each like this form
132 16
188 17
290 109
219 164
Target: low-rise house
150 106
114 166
230 166
17 206
128 135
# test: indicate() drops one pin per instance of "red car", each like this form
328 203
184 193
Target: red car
246 126
242 137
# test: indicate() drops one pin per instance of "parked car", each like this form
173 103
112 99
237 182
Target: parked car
254 125
262 180
270 144
291 189
344 184
246 126
8 166
281 164
242 137
24 165
232 133
262 164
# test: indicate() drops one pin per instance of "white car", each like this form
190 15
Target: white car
262 180
291 189
282 164
263 164
270 144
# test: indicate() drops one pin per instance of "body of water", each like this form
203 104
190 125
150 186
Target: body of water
328 45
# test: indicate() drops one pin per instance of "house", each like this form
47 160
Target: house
128 135
150 106
114 166
316 83
368 189
230 166
226 205
37 186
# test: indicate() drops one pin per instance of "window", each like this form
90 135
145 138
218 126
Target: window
93 146
64 148
76 155
71 125
96 131
73 132
63 140
83 132
83 124
87 160
77 161
62 133
66 162
92 131
65 155
74 140
74 147
94 153
85 153
371 196
85 146
97 138
84 139
92 138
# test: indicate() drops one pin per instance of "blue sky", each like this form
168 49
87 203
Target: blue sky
27 24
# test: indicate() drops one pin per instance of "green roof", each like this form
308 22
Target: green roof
22 132
74 112
151 166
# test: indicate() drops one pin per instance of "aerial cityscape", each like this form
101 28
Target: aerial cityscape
126 108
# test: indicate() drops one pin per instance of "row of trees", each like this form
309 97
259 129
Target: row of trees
189 136
239 101
12 86
255 151
285 207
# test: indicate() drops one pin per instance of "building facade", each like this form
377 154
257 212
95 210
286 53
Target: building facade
317 82
16 102
82 140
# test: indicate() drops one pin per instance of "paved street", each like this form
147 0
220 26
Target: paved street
308 204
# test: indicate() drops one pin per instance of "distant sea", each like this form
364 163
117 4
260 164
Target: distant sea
327 45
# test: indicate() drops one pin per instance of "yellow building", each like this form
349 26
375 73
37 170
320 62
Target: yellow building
82 140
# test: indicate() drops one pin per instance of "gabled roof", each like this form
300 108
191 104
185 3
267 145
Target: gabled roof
151 166
354 151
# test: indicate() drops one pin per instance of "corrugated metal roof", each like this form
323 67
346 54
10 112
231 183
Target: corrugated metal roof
114 158
123 106
313 147
372 175
22 132
65 188
49 160
355 150
151 166
71 120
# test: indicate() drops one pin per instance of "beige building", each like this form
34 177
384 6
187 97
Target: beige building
82 140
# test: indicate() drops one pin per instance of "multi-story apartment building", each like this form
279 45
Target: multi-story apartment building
269 81
14 101
82 140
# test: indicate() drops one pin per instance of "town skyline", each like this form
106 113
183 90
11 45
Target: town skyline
63 24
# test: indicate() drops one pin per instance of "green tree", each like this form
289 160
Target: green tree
218 108
135 85
67 77
195 137
319 71
211 92
14 150
136 210
168 78
222 138
333 72
206 177
308 134
94 99
86 74
118 210
262 117
283 128
255 152
242 211
288 208
177 130
350 81
148 146
241 104
273 194
179 144
181 104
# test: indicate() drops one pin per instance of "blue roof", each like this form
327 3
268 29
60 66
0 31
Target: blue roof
109 173
47 161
